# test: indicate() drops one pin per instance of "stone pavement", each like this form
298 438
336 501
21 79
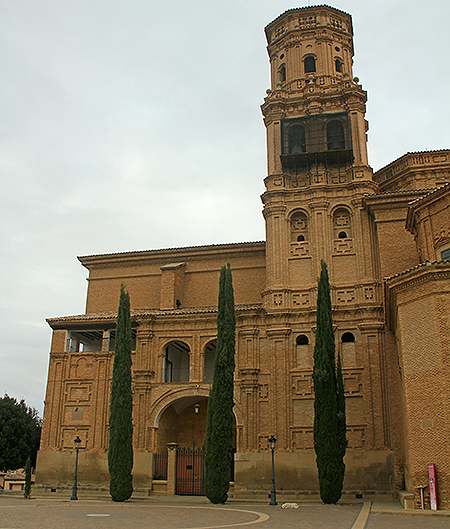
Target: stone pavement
197 513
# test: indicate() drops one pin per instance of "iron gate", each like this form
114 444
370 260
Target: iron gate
191 472
160 465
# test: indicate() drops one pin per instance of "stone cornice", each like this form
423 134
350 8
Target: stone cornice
143 333
343 96
58 355
172 254
251 333
319 203
273 333
375 326
142 379
355 190
399 164
274 209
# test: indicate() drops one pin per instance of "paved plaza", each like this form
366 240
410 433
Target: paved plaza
198 513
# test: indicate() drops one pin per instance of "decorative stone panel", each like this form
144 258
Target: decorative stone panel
302 438
299 249
343 246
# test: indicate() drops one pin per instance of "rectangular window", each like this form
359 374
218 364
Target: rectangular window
445 254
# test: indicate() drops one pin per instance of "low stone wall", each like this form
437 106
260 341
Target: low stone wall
367 472
55 469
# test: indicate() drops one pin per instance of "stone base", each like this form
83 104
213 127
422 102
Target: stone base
367 473
55 470
159 486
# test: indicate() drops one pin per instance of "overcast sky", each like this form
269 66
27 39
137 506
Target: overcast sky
133 125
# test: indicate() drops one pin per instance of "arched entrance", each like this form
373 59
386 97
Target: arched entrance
183 421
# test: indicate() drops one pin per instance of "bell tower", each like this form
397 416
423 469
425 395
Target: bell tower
318 169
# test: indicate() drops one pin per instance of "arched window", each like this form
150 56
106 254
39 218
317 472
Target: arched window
282 73
176 362
299 227
348 349
303 356
302 339
296 139
342 224
335 135
338 64
210 353
310 64
348 337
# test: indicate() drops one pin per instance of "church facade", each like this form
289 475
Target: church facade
386 239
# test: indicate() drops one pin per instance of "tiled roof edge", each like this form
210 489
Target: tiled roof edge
417 267
135 252
151 312
400 192
431 192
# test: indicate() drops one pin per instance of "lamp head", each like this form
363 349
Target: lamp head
272 442
77 442
197 408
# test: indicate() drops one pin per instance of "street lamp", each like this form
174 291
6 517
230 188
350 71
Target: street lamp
76 442
273 494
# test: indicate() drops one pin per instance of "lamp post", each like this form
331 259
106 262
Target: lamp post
76 442
273 494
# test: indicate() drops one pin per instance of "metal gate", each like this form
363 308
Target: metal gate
191 471
160 465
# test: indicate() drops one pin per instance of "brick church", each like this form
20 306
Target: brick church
386 239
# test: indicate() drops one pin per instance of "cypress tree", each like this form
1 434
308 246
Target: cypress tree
220 424
330 441
342 421
120 453
27 491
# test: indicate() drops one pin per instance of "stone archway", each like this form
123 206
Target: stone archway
179 420
183 421
183 401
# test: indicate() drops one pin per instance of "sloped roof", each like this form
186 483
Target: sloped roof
98 317
433 194
432 191
444 264
259 245
400 192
